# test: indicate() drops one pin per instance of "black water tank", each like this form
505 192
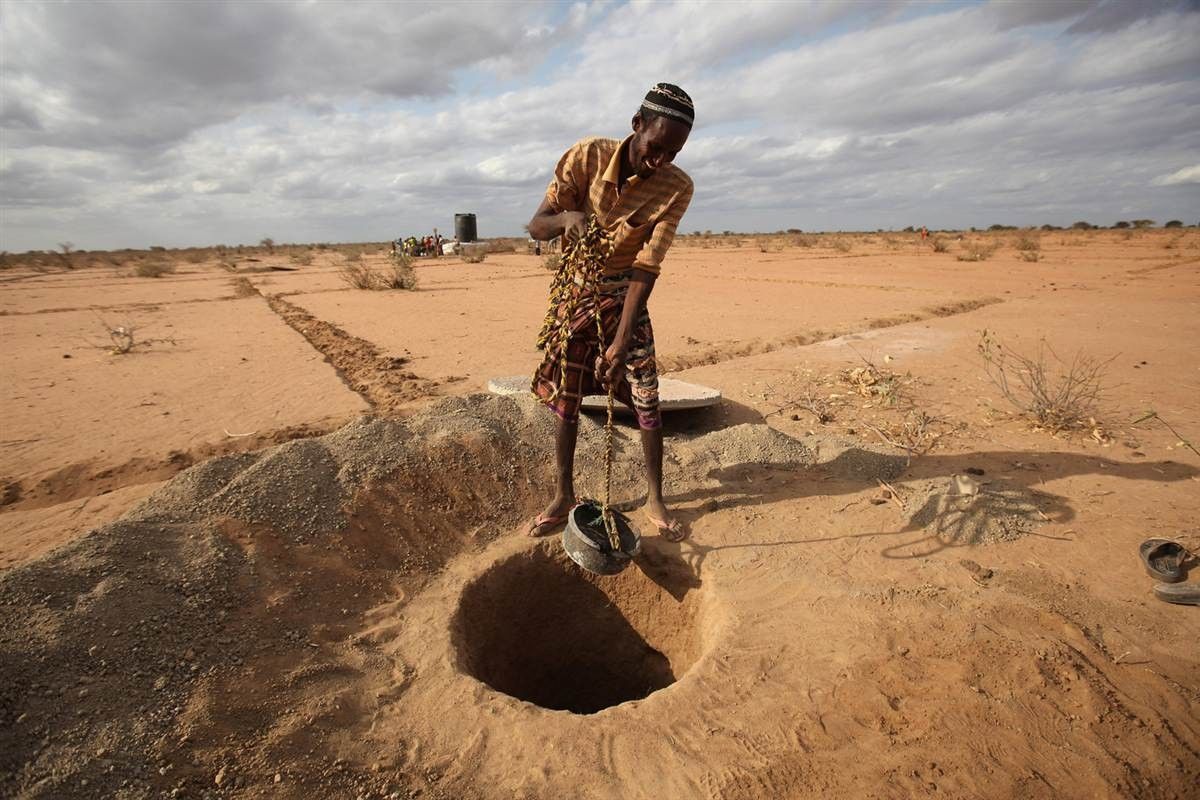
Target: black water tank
464 228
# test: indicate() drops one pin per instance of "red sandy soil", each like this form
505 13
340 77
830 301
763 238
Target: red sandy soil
832 633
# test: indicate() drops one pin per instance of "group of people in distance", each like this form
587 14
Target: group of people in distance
424 246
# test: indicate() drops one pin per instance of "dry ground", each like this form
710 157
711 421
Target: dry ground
838 624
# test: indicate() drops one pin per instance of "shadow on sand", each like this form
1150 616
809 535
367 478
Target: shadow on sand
939 527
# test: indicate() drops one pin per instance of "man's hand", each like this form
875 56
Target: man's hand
574 224
611 365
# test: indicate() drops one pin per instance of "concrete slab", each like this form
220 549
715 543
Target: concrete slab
673 395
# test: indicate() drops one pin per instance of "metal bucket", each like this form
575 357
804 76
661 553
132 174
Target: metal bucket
586 540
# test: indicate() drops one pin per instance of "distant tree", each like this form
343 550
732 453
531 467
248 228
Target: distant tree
1002 227
1175 223
1143 223
909 229
268 243
1121 224
794 231
1082 226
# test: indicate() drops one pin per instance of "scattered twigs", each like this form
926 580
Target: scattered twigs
123 339
1151 414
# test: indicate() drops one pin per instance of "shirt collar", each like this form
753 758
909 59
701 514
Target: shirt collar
613 173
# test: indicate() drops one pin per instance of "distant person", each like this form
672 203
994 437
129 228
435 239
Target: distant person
639 197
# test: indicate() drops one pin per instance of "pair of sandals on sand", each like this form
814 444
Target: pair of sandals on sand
1168 562
670 529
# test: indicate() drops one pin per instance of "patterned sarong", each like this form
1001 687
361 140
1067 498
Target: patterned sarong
638 388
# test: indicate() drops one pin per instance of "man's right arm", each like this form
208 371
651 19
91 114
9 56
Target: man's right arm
561 211
548 223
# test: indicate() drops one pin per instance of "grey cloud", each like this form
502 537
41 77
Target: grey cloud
1113 15
144 75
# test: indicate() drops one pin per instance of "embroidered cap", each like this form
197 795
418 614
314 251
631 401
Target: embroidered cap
670 101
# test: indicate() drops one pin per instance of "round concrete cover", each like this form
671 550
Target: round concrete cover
673 395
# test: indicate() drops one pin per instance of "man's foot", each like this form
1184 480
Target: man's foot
554 515
668 526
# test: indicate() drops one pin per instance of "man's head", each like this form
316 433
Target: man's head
660 128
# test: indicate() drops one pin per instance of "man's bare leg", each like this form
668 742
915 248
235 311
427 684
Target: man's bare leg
652 449
565 436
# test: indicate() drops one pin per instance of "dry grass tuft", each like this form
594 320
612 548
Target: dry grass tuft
552 262
1028 242
940 245
977 251
473 255
155 268
399 275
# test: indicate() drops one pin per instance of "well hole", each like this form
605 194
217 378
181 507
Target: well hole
540 629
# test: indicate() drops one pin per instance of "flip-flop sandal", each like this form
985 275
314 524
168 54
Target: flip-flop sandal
1186 594
543 525
1163 559
671 530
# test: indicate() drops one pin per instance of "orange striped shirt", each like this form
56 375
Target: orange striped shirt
641 218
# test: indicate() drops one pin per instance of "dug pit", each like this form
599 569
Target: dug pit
540 629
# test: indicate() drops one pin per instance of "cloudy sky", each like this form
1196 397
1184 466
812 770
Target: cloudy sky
192 123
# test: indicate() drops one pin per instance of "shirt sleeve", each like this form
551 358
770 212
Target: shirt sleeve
567 187
651 256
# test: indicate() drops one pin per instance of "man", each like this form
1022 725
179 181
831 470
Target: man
638 196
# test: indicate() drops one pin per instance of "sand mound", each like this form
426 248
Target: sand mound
118 647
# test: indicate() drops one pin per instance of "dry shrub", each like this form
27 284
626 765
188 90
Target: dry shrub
153 269
473 253
1028 242
399 275
1032 256
552 262
1056 395
841 245
356 275
977 251
940 245
304 259
802 240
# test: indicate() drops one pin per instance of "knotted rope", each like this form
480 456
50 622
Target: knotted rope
578 277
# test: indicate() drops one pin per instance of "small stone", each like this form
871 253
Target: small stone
220 778
278 777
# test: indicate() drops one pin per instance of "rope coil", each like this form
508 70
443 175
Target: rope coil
578 278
